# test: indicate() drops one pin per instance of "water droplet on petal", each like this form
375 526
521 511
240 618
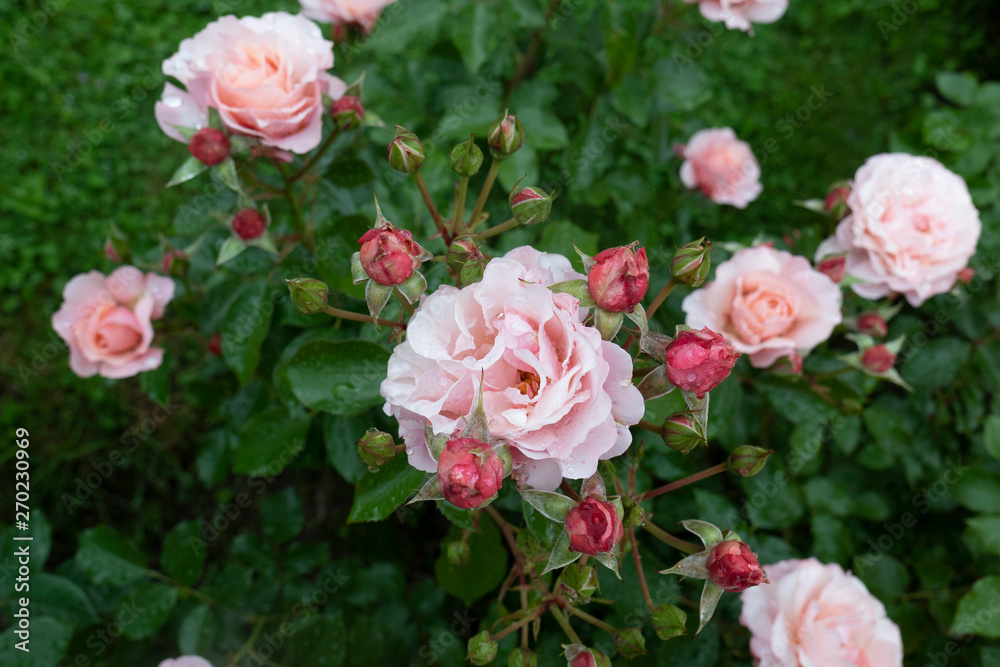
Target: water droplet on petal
173 102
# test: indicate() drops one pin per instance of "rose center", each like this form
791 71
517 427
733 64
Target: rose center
527 383
116 338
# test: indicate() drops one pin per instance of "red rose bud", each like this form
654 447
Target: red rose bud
878 359
873 324
348 113
389 255
699 361
733 567
215 345
836 201
682 433
790 364
209 145
505 136
593 527
747 460
469 472
691 263
966 275
581 656
405 153
248 224
619 278
833 267
530 205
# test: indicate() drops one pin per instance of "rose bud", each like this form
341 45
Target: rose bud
833 267
966 275
878 359
308 294
747 460
530 205
790 364
248 224
698 361
389 255
836 201
215 345
630 642
469 472
691 263
110 252
466 158
482 649
506 136
466 259
873 324
376 448
593 527
405 153
578 655
682 433
347 113
209 145
522 657
733 567
619 278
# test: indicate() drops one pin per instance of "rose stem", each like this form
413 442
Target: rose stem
523 623
667 538
483 194
690 479
657 302
564 623
592 620
293 201
358 317
638 568
438 222
458 216
649 426
315 158
569 490
498 229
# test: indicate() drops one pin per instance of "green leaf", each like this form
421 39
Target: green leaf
988 530
156 383
197 631
553 505
48 643
473 32
991 435
60 598
341 434
379 493
144 609
936 364
244 329
978 490
957 87
341 377
484 570
281 516
270 440
458 516
188 170
321 643
682 83
885 576
976 614
350 173
108 558
184 553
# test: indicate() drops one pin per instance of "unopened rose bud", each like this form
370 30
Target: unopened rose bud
248 224
966 275
405 153
466 259
308 294
530 205
173 262
482 650
669 621
698 361
747 460
215 345
833 267
522 657
469 472
630 642
873 324
593 527
466 158
790 364
458 552
733 567
389 255
836 201
209 145
347 113
682 433
878 359
110 252
691 263
578 581
619 278
376 448
578 655
506 136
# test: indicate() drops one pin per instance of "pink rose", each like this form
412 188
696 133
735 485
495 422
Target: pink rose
186 661
699 361
733 567
593 527
362 13
266 77
911 230
767 303
878 359
739 14
469 472
106 321
560 396
816 614
389 255
619 278
722 167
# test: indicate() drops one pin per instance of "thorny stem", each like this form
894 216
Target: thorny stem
660 298
497 229
638 568
483 194
438 221
358 317
667 538
315 158
690 479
